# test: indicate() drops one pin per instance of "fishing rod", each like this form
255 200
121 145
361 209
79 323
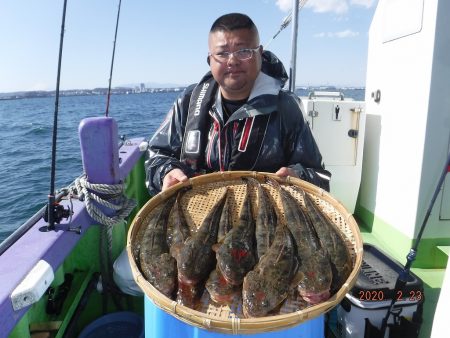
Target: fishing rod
55 212
112 60
107 281
404 275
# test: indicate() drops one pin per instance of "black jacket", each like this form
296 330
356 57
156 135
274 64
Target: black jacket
265 134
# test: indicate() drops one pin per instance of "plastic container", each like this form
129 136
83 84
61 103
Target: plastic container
372 294
118 324
159 324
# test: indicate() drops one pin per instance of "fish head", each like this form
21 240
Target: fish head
185 262
219 289
195 261
258 295
314 279
164 274
235 260
189 294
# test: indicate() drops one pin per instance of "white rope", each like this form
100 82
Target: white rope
103 194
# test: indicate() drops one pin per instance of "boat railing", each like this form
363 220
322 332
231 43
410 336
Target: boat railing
28 246
327 94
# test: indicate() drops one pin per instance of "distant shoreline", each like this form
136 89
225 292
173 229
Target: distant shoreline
129 90
85 92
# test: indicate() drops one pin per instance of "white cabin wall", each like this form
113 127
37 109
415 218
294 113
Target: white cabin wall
395 127
437 137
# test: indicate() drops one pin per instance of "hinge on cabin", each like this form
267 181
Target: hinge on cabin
356 110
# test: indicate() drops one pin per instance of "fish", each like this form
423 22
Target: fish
180 228
221 291
197 258
226 221
187 294
314 275
136 245
157 265
268 284
332 241
266 220
236 256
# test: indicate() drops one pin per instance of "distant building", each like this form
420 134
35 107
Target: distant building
142 87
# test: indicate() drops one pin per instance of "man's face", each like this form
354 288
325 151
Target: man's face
235 77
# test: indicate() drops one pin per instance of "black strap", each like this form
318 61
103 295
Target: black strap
195 136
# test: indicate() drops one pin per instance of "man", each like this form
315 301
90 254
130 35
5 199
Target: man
236 118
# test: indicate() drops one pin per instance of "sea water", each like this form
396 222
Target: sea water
26 143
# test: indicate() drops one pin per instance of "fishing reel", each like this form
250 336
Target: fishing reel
59 212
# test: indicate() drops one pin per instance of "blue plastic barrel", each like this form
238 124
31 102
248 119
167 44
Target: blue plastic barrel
123 324
160 324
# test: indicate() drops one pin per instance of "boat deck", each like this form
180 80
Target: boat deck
432 280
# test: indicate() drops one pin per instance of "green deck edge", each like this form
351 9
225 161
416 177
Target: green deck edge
444 249
397 244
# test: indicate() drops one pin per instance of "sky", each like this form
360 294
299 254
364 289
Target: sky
165 42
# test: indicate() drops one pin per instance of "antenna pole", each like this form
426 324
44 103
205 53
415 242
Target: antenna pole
112 60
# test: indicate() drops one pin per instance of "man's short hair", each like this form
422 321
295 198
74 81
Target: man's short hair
233 21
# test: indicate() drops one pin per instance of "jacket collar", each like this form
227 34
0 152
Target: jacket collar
262 100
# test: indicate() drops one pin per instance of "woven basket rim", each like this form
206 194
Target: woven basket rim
243 325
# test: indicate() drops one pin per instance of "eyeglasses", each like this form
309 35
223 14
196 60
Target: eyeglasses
241 54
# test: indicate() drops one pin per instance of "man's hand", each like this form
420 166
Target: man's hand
284 171
173 177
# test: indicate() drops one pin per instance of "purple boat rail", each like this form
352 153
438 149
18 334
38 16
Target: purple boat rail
103 162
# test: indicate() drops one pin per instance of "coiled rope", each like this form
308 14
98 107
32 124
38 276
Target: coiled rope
103 194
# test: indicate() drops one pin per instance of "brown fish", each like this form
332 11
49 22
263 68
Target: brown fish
197 258
314 273
266 220
136 245
266 287
180 229
156 263
221 291
236 256
226 222
332 241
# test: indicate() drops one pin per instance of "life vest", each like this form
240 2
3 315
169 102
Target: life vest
252 124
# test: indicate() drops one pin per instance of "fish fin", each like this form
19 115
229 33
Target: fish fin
299 276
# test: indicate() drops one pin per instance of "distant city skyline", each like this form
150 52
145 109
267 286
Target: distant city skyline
166 42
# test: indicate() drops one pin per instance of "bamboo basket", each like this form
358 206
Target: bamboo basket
206 190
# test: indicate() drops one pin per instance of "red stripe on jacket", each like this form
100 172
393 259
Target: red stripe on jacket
246 134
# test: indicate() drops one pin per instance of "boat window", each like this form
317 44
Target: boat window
401 18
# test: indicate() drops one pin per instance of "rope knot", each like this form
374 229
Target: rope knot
108 195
